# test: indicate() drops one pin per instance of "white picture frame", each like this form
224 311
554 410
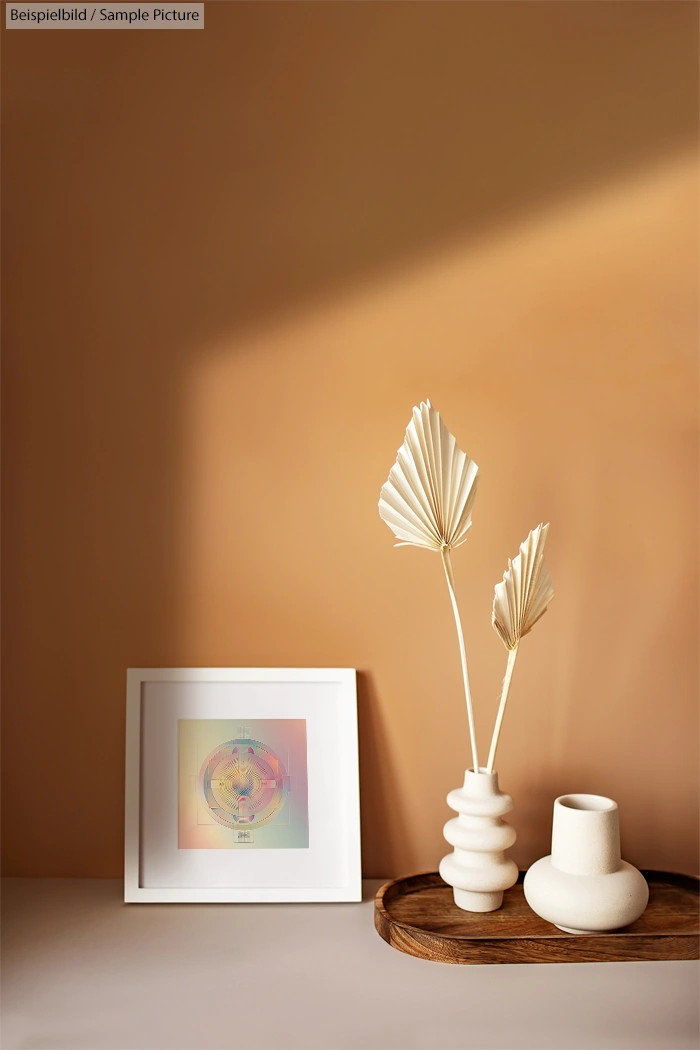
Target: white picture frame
165 707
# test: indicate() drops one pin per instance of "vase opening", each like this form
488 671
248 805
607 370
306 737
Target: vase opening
591 803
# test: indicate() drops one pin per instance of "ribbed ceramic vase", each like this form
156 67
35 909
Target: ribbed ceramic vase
478 869
585 886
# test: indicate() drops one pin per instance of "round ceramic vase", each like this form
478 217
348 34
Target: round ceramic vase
478 869
585 886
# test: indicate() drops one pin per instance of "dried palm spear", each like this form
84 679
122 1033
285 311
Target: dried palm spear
427 502
519 602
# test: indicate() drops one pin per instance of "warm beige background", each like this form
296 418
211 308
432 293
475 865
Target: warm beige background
233 261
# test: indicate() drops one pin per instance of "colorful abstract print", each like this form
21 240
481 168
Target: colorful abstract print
244 783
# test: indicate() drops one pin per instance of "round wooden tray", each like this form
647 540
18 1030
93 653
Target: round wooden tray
417 915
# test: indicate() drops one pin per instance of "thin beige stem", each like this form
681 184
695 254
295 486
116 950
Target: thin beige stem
447 563
512 653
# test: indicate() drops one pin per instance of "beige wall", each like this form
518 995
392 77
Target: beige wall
233 261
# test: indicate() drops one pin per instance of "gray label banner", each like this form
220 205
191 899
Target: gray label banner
104 16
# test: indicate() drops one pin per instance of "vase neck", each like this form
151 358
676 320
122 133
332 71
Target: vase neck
481 784
586 835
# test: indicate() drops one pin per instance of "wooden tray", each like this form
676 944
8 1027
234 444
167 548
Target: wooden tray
417 915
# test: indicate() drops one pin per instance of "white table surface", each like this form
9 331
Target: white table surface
83 970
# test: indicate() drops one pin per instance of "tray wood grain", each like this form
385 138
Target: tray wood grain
417 915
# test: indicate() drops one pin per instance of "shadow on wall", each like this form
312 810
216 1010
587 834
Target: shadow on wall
163 189
386 833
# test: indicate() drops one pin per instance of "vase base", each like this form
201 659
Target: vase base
469 900
589 933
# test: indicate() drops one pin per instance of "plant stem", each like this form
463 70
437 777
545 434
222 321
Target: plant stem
447 563
512 653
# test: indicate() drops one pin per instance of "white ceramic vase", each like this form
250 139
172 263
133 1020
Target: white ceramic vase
478 869
585 886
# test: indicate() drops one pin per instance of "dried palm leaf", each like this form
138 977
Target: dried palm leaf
428 499
520 600
525 592
427 502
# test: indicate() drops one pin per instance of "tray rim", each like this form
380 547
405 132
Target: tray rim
555 934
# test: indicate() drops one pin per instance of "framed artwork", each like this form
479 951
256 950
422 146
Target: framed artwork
242 785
